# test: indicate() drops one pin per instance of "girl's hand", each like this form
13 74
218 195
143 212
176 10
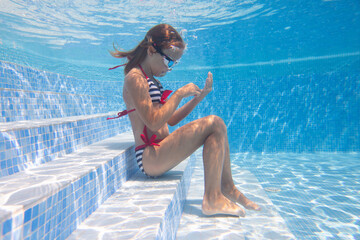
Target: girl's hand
189 90
208 85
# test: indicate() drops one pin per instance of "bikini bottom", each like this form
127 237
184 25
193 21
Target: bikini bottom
139 150
138 155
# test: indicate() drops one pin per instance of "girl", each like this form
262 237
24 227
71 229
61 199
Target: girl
157 151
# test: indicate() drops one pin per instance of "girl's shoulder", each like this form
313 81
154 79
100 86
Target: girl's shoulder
134 73
135 79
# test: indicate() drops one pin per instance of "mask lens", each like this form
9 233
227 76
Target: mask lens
167 61
171 63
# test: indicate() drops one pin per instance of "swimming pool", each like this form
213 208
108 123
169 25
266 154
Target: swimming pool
287 83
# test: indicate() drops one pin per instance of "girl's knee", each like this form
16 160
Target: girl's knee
217 122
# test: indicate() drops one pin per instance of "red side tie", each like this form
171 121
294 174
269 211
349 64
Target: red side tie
148 142
123 113
164 96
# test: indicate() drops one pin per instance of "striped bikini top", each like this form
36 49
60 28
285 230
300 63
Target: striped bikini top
155 88
156 92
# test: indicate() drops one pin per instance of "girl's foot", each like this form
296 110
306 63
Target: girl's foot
236 196
221 205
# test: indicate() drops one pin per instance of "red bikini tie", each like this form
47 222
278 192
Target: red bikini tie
164 96
148 142
123 113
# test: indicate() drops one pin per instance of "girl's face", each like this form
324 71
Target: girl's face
164 60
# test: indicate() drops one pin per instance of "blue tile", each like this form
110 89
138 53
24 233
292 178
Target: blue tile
35 211
26 230
9 163
47 227
49 202
27 215
34 224
64 203
3 162
41 232
42 208
34 236
2 144
58 217
16 169
42 220
7 226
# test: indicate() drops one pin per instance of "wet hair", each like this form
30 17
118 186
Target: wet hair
162 35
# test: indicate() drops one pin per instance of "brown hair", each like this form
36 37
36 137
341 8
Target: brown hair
162 35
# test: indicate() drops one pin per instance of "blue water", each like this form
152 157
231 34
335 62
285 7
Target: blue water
286 83
316 193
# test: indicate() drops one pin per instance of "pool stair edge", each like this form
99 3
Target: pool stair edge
142 208
50 200
27 144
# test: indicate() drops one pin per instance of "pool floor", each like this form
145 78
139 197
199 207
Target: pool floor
264 224
317 194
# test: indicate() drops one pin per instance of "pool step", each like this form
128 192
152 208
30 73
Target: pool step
265 224
142 208
25 144
50 200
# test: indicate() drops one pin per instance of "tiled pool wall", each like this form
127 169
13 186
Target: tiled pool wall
292 113
58 215
29 105
34 95
28 94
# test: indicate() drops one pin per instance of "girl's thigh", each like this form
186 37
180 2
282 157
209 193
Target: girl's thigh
180 144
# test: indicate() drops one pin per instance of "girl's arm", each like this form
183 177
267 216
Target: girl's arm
154 118
182 112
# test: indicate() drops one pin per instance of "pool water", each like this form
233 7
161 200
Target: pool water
316 193
286 83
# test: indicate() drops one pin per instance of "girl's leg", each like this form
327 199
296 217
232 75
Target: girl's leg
228 187
214 153
210 132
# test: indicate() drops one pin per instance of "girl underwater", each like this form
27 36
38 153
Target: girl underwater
150 112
